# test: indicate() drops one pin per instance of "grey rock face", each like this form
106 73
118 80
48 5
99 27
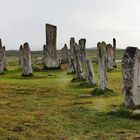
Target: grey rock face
131 77
71 67
82 45
110 56
77 61
4 65
2 57
90 76
25 59
49 50
64 54
71 62
72 51
114 48
102 65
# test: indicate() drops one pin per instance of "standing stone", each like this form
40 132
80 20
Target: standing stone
77 61
131 77
50 53
82 45
72 51
20 55
71 62
70 68
64 54
25 60
110 56
2 57
102 65
90 76
4 65
114 48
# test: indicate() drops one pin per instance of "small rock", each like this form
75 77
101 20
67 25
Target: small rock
85 95
136 112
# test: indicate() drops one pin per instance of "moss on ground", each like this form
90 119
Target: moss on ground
47 106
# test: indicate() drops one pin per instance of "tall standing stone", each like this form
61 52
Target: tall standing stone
2 57
82 45
102 65
90 76
64 54
77 61
71 67
110 56
25 59
72 51
50 53
131 77
71 62
114 48
4 65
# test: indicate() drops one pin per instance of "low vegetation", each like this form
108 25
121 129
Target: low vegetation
48 106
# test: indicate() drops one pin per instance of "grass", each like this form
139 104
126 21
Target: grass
47 106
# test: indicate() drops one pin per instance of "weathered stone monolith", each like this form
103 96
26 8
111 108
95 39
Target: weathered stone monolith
71 62
72 51
71 67
90 76
82 45
102 65
50 53
25 60
114 48
64 54
77 61
4 65
2 57
110 56
131 77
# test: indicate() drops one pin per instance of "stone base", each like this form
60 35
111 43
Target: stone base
100 92
29 75
51 63
87 85
51 68
77 80
2 73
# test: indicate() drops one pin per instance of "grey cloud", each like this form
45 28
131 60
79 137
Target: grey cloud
96 20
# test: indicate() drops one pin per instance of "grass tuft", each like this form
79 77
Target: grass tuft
2 73
121 112
29 75
77 80
87 85
99 92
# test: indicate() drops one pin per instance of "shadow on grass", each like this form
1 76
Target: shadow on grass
124 112
86 85
99 92
75 80
2 73
71 73
45 68
28 77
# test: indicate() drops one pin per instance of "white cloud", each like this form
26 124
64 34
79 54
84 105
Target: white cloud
96 20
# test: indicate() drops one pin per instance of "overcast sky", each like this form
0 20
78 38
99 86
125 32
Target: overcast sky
96 20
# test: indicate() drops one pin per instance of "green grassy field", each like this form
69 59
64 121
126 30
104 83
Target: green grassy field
48 106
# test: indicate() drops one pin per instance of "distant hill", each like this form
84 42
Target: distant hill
13 53
91 53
